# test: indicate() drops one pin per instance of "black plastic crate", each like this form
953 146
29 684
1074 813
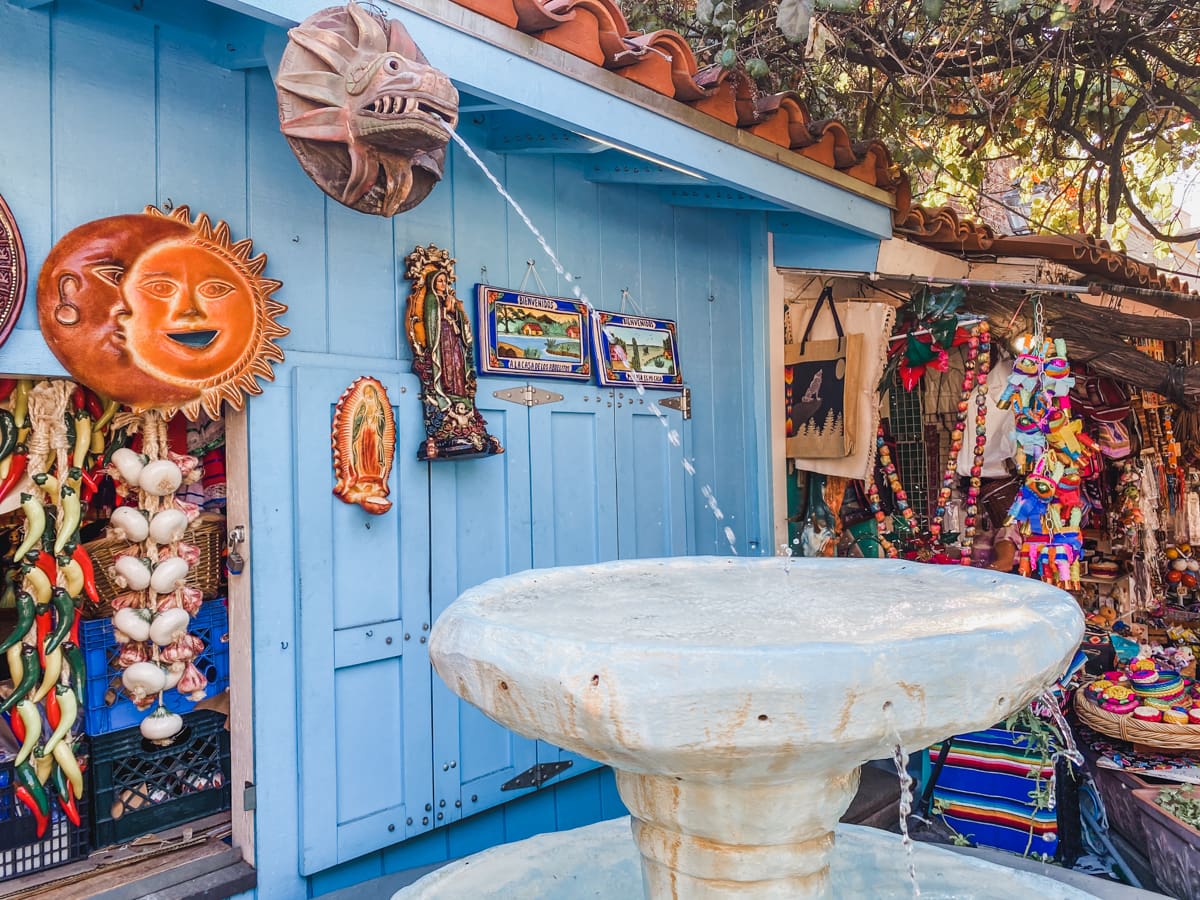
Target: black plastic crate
140 788
21 851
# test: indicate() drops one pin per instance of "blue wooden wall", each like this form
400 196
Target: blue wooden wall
106 109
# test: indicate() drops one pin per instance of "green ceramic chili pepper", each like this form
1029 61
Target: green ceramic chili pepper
64 613
26 613
78 672
30 674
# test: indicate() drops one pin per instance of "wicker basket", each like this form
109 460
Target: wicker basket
1162 735
207 533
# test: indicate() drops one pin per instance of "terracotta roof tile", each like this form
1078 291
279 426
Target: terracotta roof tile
597 31
532 15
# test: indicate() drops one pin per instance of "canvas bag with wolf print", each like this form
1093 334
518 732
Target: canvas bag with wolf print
821 387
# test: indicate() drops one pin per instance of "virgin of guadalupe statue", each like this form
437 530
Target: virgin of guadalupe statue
443 346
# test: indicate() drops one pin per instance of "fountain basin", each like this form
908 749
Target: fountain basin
736 698
599 862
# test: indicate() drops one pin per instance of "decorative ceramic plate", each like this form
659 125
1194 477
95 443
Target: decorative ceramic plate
12 271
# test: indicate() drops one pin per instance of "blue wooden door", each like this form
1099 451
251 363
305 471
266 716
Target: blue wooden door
573 475
364 676
479 529
651 477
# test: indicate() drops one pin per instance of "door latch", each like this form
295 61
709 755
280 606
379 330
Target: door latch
234 561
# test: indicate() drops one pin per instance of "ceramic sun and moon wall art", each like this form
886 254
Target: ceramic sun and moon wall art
364 443
12 271
161 313
443 345
366 115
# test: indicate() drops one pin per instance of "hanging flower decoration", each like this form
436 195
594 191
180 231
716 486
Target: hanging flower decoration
928 328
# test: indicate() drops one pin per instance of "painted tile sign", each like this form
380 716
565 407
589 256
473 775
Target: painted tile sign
637 349
529 334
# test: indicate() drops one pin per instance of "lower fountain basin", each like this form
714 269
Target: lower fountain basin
600 862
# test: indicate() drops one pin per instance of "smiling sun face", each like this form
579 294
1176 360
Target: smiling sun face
191 314
198 314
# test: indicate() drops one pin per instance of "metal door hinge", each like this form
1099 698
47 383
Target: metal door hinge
683 403
249 797
536 776
527 395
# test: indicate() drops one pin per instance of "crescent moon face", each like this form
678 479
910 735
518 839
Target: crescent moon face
81 308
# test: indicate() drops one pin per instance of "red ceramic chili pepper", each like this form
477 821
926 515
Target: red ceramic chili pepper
53 713
16 470
89 573
94 407
87 486
78 398
74 631
27 798
44 623
45 562
7 386
17 724
69 807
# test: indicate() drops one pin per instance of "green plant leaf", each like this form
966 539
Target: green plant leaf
793 19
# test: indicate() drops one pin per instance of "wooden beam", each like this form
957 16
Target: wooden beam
714 198
529 136
241 645
29 4
615 167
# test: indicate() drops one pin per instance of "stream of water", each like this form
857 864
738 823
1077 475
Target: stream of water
672 434
899 756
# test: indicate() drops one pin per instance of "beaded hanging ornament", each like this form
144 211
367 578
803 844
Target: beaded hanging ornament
977 366
884 454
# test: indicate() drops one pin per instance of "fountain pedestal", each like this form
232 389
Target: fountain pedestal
737 698
769 840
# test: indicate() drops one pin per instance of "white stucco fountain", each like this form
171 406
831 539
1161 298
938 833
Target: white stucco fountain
736 700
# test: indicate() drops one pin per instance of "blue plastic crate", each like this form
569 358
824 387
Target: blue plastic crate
100 653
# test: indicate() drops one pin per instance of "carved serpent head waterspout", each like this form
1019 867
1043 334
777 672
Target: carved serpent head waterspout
366 115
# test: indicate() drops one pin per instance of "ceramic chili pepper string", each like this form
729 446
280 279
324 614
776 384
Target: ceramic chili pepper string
960 426
983 337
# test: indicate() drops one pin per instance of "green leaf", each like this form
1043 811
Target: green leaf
728 58
1005 7
793 19
932 8
706 11
757 68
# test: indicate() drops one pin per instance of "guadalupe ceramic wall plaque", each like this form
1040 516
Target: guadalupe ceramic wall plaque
364 443
443 346
13 273
159 312
367 116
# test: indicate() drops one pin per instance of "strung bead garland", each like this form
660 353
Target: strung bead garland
898 492
981 395
956 437
880 518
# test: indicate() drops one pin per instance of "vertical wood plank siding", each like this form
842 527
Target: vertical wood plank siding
106 110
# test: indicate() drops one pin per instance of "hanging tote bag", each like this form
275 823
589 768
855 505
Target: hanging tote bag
821 387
